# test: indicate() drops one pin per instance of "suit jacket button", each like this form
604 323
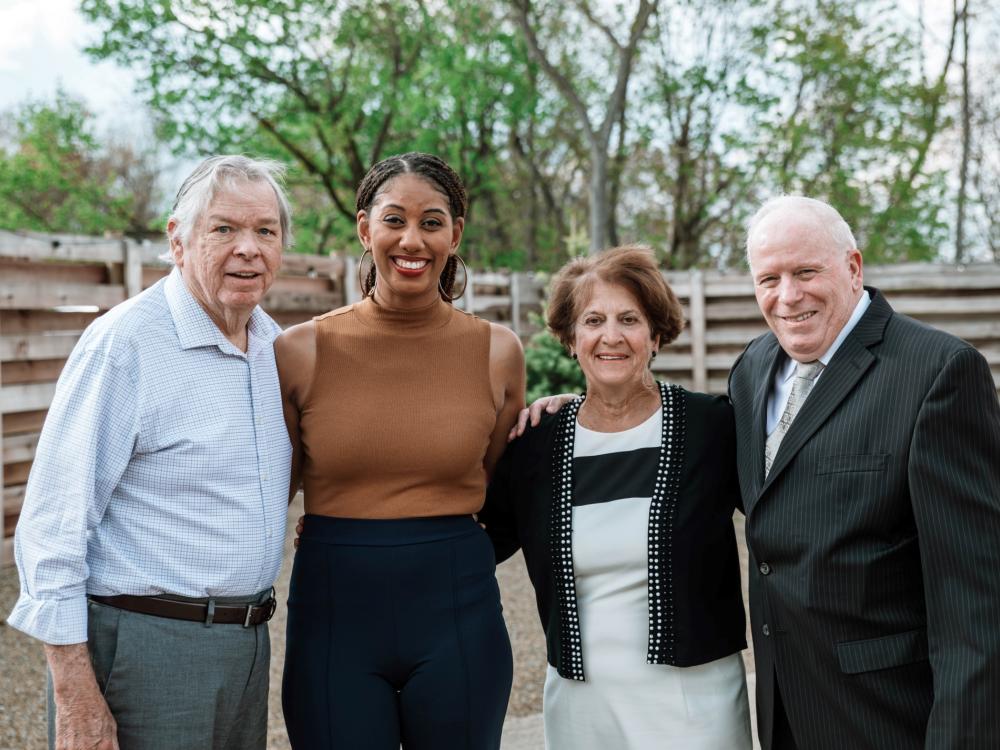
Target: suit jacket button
764 569
766 630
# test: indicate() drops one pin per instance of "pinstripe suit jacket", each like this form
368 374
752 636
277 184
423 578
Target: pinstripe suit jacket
875 542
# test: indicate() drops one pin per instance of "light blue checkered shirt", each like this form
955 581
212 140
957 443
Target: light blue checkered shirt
163 466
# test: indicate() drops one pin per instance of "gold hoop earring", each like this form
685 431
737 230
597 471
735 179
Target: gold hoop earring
363 276
465 275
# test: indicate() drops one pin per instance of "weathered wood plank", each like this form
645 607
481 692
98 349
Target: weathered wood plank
16 473
319 266
733 310
295 302
947 283
19 447
31 246
25 322
37 371
286 319
681 361
917 305
303 285
36 346
483 302
40 295
13 498
14 272
28 397
151 275
19 423
490 278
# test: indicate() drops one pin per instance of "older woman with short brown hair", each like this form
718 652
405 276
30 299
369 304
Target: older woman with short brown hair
622 504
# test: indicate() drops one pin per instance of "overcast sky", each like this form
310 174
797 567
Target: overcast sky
40 49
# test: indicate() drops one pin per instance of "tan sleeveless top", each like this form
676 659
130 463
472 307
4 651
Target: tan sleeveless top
399 414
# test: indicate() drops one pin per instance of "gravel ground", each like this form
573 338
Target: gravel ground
22 665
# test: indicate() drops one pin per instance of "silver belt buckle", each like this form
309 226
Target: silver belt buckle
246 620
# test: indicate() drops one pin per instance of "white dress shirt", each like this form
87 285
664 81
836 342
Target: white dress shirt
163 466
783 377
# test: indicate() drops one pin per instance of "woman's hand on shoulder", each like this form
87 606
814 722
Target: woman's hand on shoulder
533 414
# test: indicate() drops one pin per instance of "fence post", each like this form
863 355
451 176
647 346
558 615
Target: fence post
132 252
6 555
470 291
352 293
698 324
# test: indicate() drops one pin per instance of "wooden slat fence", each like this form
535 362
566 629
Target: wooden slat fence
52 287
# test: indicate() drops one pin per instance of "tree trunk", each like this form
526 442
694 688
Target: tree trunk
598 199
963 174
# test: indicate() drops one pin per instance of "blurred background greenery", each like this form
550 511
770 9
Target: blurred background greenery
575 124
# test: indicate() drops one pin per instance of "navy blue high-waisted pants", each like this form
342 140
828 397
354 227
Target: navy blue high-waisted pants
395 636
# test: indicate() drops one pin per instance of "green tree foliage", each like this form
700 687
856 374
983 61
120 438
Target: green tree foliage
331 86
854 120
56 176
725 103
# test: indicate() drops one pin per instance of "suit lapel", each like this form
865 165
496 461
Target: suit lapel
849 364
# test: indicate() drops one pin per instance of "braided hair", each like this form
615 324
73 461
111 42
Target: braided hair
442 177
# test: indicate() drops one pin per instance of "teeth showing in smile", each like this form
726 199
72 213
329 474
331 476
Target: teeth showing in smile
799 318
410 265
611 357
244 274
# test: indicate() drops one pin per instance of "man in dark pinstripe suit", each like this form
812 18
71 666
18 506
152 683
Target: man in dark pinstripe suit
875 534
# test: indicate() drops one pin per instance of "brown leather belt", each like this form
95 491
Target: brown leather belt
207 612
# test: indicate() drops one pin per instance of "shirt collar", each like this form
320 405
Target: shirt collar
788 369
195 328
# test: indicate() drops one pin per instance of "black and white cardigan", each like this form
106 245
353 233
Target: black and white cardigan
695 603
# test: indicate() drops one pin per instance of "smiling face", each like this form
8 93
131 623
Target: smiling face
611 338
233 252
411 233
806 285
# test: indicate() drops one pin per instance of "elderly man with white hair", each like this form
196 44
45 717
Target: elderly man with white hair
869 463
154 516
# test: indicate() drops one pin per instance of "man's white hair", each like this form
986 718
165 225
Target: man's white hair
225 171
826 216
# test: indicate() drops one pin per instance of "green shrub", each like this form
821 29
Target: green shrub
550 368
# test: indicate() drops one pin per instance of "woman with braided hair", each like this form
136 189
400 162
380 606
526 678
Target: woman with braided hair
398 407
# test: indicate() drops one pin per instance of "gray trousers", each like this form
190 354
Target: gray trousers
179 685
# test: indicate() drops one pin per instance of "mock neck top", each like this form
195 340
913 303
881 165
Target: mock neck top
399 414
393 321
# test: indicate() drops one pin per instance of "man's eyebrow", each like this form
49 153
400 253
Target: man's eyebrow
224 219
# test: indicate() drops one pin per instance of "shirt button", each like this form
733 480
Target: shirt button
263 477
765 569
766 630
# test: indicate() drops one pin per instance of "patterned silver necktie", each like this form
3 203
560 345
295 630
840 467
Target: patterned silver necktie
805 378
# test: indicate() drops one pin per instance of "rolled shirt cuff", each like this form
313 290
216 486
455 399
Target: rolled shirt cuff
58 622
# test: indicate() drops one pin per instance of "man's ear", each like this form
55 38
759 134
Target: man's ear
856 265
176 246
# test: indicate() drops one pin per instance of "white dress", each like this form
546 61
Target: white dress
625 703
